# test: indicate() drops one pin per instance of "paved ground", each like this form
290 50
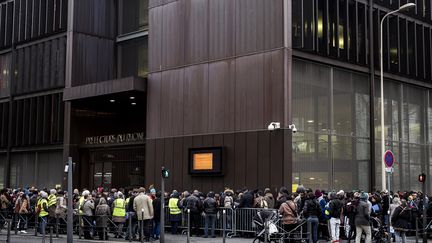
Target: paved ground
27 238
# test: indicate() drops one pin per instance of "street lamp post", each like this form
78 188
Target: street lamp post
383 176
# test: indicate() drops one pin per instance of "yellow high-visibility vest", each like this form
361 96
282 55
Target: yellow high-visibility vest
119 208
42 213
80 204
172 205
52 200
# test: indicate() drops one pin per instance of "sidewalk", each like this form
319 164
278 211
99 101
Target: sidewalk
27 238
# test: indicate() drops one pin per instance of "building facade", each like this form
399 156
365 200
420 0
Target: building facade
125 87
73 84
221 71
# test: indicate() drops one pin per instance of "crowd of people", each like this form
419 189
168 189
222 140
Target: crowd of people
136 212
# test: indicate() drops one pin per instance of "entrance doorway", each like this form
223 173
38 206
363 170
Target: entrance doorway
117 167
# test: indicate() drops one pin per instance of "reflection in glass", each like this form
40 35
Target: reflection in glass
134 15
327 148
133 58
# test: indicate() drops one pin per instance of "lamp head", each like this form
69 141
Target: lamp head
406 6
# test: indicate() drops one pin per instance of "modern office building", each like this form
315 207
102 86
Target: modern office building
221 71
125 87
73 84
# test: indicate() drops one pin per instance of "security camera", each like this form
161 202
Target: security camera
293 128
273 126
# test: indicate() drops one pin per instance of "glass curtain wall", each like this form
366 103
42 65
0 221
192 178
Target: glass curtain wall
405 114
331 112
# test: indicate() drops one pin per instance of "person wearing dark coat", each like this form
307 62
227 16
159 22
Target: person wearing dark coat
311 212
157 213
401 221
103 211
247 200
194 204
282 197
210 210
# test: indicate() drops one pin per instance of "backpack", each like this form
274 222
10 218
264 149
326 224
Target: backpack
228 202
335 208
192 204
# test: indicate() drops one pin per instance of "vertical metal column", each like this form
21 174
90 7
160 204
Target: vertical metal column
70 203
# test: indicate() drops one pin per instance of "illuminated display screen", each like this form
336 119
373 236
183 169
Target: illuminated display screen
205 161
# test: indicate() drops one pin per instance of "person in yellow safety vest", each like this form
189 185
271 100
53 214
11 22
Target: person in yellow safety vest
119 213
42 211
81 201
52 205
175 207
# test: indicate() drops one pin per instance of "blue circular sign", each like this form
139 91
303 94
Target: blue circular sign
389 158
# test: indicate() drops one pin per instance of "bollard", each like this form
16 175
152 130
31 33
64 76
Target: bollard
51 235
224 226
188 225
57 225
8 231
130 227
16 223
416 234
309 228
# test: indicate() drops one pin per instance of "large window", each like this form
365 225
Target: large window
133 58
331 112
133 15
340 29
30 169
405 123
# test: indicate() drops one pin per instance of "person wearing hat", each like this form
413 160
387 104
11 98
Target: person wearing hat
362 219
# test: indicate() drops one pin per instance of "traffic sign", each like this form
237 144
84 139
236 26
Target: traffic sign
389 158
